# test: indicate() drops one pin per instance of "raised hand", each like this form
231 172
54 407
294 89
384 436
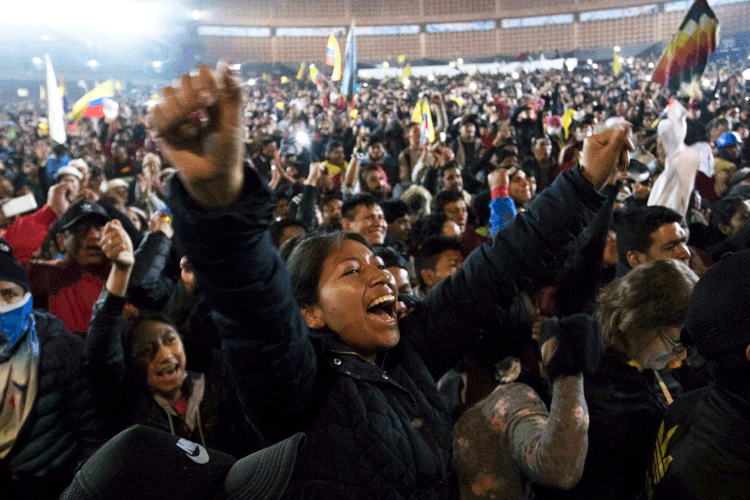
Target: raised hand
58 198
199 128
116 245
498 178
160 221
603 153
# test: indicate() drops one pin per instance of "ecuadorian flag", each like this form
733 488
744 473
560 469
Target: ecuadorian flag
91 105
333 57
685 56
423 116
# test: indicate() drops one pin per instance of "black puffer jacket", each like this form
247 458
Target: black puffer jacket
63 428
379 432
124 399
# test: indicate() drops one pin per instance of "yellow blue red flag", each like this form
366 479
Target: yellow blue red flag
333 57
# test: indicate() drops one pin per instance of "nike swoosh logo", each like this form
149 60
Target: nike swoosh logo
199 455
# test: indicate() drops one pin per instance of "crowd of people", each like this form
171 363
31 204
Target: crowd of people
548 300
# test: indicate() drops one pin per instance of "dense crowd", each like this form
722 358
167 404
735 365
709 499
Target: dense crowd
548 300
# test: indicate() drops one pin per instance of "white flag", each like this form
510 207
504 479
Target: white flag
54 106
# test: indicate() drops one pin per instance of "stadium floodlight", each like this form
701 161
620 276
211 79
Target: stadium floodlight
196 15
37 61
157 64
93 64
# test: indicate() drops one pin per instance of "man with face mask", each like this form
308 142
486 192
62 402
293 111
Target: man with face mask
48 424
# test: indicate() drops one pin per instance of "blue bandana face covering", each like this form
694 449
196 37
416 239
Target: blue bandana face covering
15 320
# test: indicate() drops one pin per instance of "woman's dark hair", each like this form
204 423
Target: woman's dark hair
305 262
391 258
432 225
333 144
131 326
723 210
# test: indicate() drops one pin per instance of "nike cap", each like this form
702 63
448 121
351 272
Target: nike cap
147 463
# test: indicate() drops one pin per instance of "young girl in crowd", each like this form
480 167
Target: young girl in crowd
140 370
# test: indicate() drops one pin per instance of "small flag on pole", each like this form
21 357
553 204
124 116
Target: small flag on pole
333 57
349 79
423 116
406 72
616 64
301 72
54 106
684 58
313 72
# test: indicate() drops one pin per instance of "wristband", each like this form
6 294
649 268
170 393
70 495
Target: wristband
500 192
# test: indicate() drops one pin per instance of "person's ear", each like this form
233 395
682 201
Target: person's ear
635 258
313 316
726 229
429 277
747 352
346 225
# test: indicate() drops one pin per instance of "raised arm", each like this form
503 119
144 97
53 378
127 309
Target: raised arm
470 301
221 215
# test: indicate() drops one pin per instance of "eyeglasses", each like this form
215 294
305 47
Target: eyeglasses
678 348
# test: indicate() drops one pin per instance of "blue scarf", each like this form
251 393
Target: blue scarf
15 321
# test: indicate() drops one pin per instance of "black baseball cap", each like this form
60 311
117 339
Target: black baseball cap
80 211
146 463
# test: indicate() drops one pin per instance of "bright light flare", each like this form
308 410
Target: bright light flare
650 65
595 66
617 48
385 64
431 78
157 64
93 63
460 60
302 138
235 67
37 61
131 16
515 75
746 74
473 86
589 61
196 15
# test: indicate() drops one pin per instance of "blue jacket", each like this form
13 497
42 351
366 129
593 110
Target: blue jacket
373 431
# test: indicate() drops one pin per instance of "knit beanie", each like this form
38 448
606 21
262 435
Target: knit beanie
718 316
10 269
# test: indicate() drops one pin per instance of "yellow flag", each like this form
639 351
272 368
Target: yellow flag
284 79
401 59
406 72
101 91
313 72
333 57
616 64
118 85
301 72
423 116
